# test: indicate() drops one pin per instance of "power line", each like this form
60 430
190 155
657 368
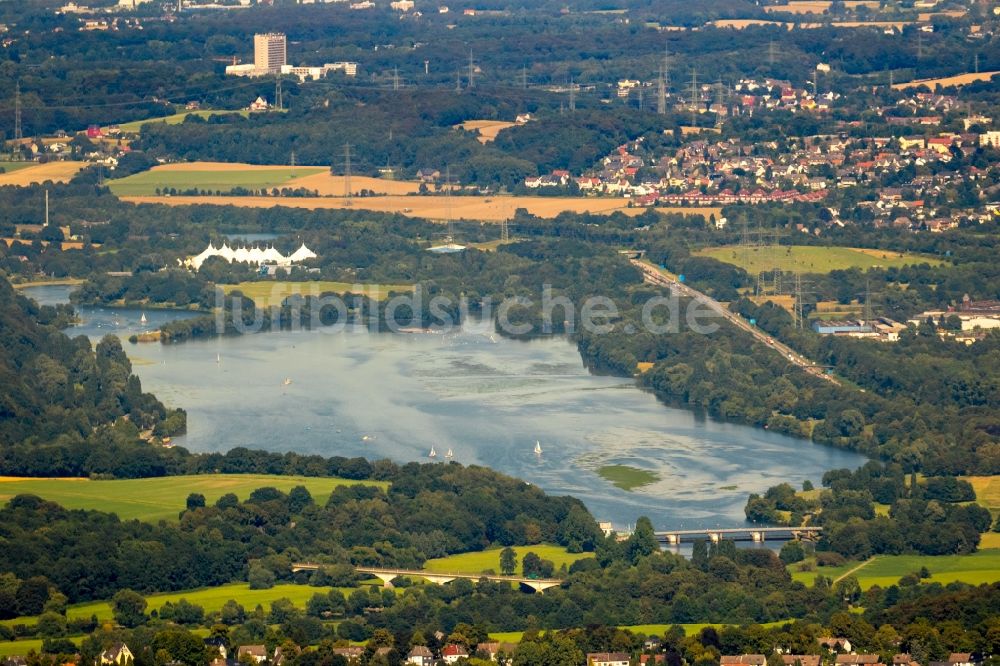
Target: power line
347 172
17 114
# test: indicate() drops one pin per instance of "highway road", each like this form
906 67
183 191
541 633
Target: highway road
654 275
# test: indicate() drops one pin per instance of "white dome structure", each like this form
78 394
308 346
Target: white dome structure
252 255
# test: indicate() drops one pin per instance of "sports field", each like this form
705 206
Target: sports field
946 81
57 172
210 598
484 560
209 176
268 294
161 497
885 570
438 208
810 259
177 118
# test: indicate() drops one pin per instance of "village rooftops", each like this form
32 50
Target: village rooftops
801 659
751 659
858 659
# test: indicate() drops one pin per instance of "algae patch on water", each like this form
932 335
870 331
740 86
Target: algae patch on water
626 477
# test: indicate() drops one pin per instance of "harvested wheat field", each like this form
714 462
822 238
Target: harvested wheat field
740 24
486 129
816 6
957 80
57 172
328 185
487 209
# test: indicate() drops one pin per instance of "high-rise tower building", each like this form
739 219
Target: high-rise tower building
269 52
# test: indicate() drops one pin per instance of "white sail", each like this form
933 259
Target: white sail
538 447
432 454
142 319
449 454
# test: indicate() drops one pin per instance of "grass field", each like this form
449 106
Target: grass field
885 570
646 629
208 178
57 172
11 167
484 560
24 646
438 208
946 81
210 598
809 259
268 294
163 497
626 477
176 119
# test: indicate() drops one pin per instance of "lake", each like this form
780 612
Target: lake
489 399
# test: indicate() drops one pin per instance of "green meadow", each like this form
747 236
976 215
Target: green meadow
10 167
177 118
162 498
210 598
645 629
480 561
146 183
22 647
811 259
885 570
270 294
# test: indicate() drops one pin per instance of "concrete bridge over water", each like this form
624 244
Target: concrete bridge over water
438 577
758 534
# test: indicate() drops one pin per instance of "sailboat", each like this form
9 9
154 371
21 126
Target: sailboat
538 448
142 319
288 380
449 455
218 358
432 454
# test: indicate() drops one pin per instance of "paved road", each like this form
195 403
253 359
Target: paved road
653 275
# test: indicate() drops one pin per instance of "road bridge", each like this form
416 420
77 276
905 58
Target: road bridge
439 577
758 534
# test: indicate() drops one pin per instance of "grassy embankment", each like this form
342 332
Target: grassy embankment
161 498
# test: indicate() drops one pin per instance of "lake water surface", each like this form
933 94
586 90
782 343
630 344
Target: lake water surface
489 399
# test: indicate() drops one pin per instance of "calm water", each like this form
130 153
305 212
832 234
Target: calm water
487 398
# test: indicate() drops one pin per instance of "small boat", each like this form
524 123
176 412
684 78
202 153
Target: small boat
538 448
449 455
142 319
432 454
366 438
288 380
218 358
